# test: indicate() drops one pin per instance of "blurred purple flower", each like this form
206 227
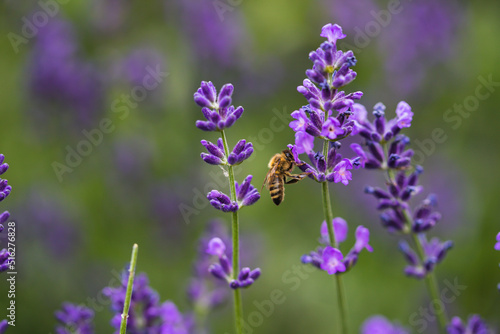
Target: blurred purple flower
146 314
421 36
4 260
497 245
216 37
378 324
3 326
74 319
475 325
353 15
61 82
332 261
52 221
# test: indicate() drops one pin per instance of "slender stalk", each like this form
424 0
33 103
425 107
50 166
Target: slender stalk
130 285
432 286
430 278
327 210
238 308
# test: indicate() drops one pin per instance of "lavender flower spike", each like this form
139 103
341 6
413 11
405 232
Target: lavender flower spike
74 319
218 111
475 325
378 324
223 270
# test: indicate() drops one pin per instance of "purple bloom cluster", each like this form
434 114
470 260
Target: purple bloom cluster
378 324
146 314
246 194
224 271
3 326
5 190
331 259
329 113
475 325
203 291
217 109
434 252
59 80
380 131
74 319
386 149
215 156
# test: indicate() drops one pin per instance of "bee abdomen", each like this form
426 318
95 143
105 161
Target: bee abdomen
276 190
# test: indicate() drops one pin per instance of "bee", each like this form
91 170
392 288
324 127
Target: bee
280 166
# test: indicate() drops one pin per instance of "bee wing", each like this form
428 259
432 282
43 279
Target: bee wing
268 176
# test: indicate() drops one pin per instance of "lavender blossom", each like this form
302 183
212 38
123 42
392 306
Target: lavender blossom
146 314
217 109
434 252
475 325
331 259
5 190
246 194
223 270
329 114
420 37
497 245
3 326
59 81
215 156
204 291
378 324
74 319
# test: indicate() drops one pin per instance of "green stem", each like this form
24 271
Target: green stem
432 286
327 210
238 308
130 285
430 278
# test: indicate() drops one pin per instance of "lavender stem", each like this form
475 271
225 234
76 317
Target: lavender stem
327 209
130 285
238 309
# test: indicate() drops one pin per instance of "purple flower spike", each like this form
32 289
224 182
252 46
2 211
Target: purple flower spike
246 194
218 111
222 202
332 261
332 32
216 247
378 324
74 319
497 245
475 325
362 239
3 326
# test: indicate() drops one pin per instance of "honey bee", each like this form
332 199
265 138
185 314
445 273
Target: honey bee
280 166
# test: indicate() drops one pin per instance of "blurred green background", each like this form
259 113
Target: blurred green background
74 232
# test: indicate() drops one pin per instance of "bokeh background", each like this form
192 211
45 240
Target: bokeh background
66 75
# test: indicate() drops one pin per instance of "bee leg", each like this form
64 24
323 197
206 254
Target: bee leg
294 178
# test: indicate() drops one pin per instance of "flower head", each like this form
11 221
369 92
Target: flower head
378 324
362 239
217 109
74 319
475 325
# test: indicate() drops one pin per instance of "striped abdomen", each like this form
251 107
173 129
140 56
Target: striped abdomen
276 188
